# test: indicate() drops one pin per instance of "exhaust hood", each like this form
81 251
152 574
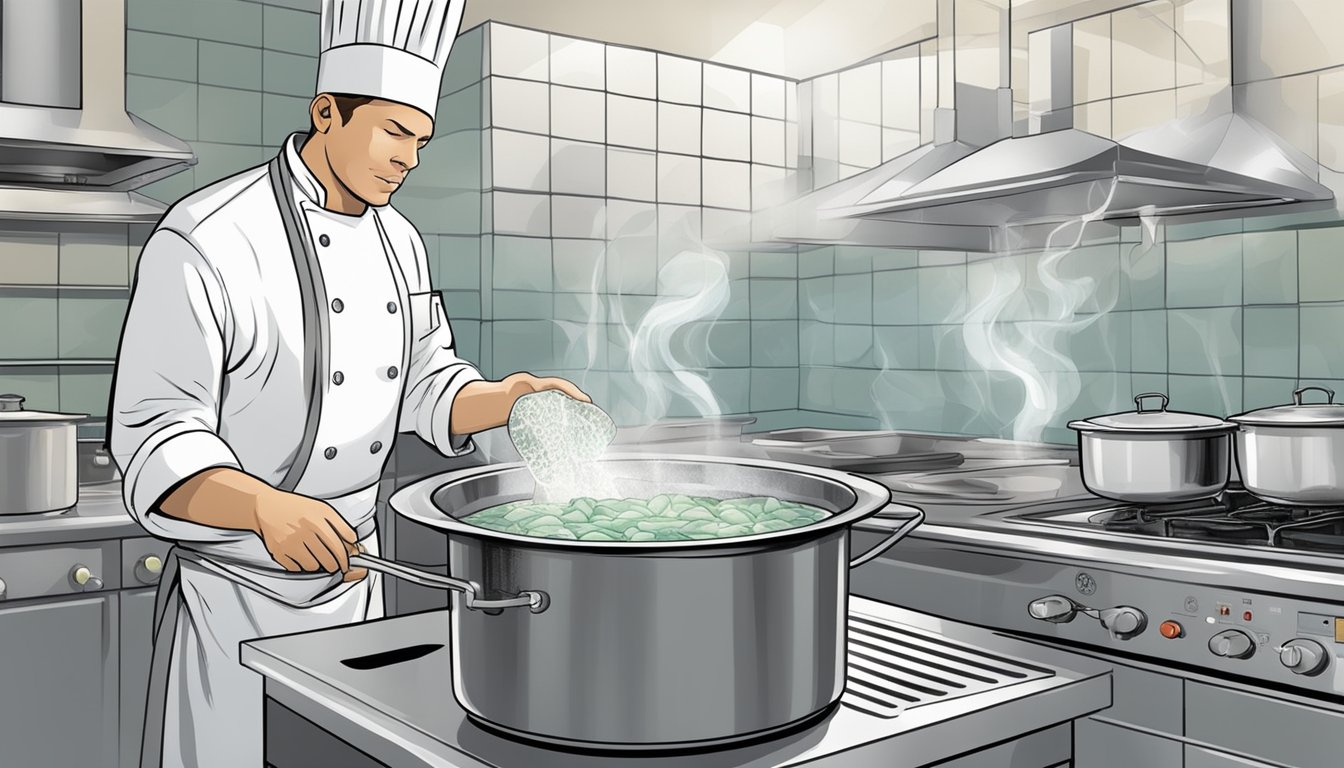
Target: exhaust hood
69 151
975 182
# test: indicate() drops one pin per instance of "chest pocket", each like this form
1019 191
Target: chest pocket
426 314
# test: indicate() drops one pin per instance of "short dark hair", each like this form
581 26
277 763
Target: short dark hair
345 106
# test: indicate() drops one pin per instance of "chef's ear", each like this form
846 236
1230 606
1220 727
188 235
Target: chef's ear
323 111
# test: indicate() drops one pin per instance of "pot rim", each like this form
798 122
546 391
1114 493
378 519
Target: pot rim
871 497
1153 422
1089 427
1297 415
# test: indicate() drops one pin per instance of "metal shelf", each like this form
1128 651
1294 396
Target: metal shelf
18 287
54 363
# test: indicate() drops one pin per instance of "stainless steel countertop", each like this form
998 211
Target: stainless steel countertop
404 714
99 515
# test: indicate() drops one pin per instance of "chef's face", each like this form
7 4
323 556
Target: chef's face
374 147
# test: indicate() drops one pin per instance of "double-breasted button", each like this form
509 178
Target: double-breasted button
324 240
330 453
337 305
338 378
392 372
376 447
392 307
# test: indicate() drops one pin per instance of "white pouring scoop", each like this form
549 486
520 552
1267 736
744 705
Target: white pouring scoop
559 438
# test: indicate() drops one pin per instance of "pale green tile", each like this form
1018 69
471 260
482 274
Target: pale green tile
732 388
1259 393
816 389
1148 339
578 307
85 390
1094 268
894 258
774 343
816 263
1218 396
773 299
290 30
93 255
729 344
774 264
159 55
816 343
29 321
1205 341
739 301
523 263
283 115
896 297
854 390
29 258
816 299
293 75
1270 267
171 189
169 105
578 345
467 339
854 298
522 345
853 259
1140 383
578 265
1104 344
232 66
459 262
1322 354
941 293
629 309
465 62
1203 229
942 347
464 304
521 305
1145 268
941 258
461 111
895 347
1321 264
854 345
632 265
39 386
1204 273
229 21
774 389
230 115
90 325
1271 343
218 161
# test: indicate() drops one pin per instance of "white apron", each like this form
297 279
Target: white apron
204 708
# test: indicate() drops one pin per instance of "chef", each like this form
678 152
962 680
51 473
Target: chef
281 332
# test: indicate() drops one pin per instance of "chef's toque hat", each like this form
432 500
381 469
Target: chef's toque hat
388 49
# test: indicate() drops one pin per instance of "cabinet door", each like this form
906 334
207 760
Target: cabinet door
137 617
1102 745
58 672
1198 757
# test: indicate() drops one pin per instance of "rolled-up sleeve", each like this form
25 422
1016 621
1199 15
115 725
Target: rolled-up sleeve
164 425
437 376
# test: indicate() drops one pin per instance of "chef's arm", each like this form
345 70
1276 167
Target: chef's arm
483 405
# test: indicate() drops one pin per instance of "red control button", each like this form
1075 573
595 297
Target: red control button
1246 616
1224 610
1171 630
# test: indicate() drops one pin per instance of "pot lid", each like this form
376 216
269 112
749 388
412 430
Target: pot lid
11 411
1150 420
1299 413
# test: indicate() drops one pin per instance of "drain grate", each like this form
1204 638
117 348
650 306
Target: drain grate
893 668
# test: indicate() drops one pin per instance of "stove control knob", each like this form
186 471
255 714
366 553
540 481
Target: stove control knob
148 569
1123 622
1304 657
85 579
1232 644
1054 608
2 589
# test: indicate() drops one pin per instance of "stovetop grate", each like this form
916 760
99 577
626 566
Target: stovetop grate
893 668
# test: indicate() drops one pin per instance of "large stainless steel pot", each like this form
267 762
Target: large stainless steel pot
37 459
650 645
1294 454
1155 456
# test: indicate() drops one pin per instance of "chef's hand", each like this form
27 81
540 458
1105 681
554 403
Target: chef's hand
520 384
304 534
482 405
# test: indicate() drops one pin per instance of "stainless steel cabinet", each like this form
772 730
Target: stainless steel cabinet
1198 757
1102 745
137 616
58 672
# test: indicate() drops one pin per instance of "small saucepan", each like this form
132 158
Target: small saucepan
1294 454
1155 456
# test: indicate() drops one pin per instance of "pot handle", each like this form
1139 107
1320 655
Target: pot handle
1138 401
1297 394
887 521
536 601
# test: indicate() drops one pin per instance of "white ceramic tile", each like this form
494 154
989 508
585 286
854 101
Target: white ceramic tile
632 174
516 52
900 93
631 72
519 105
678 129
767 141
770 186
1094 118
93 255
727 135
678 79
1287 106
632 122
896 142
514 213
1092 59
928 89
584 217
861 94
860 144
1286 37
1203 42
1131 114
580 63
631 219
578 114
521 161
727 88
1331 105
678 179
29 258
578 168
726 227
791 101
792 148
678 226
727 184
1144 42
1206 99
767 96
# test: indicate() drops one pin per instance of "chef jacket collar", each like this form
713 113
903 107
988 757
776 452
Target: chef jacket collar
303 178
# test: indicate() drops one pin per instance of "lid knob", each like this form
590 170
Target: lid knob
1329 394
1138 401
11 402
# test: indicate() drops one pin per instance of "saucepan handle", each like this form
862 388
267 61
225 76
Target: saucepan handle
536 601
896 521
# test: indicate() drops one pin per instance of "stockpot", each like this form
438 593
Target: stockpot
649 645
1294 454
37 459
1155 456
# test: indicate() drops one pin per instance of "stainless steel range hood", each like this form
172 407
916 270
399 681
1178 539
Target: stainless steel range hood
68 148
